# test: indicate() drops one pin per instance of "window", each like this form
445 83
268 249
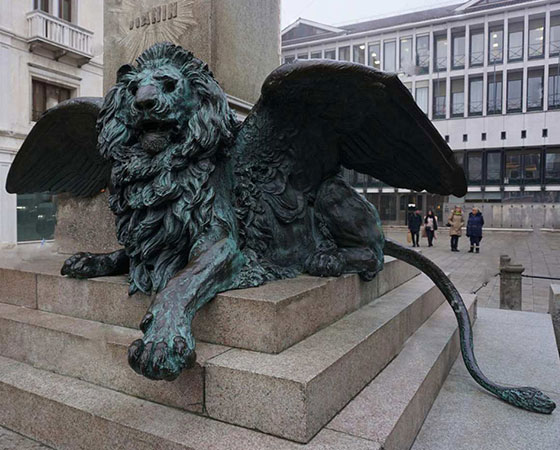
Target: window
302 56
422 95
457 97
523 134
532 168
503 135
555 34
496 45
330 54
42 5
458 51
513 174
475 96
514 91
289 59
465 137
477 48
536 38
359 53
36 217
374 51
439 99
482 136
552 166
440 57
553 88
515 41
494 96
535 89
344 54
388 207
408 85
65 10
316 55
422 54
493 168
389 56
46 96
406 55
474 167
545 132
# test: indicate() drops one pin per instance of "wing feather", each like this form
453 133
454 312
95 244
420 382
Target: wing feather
331 114
60 153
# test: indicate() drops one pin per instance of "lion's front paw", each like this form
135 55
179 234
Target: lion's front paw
163 352
82 265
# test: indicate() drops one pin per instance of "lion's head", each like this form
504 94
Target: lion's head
163 126
170 97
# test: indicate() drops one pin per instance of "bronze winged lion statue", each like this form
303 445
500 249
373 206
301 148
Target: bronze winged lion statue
205 204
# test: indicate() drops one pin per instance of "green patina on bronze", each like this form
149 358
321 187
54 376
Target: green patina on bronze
205 204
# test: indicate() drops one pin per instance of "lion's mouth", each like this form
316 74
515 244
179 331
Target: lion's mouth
156 135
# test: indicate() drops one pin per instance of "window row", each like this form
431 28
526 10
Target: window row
417 61
516 89
511 167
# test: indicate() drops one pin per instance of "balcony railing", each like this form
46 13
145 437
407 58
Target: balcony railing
59 36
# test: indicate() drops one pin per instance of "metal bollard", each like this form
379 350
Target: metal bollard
510 286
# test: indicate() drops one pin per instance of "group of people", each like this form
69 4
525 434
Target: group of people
455 222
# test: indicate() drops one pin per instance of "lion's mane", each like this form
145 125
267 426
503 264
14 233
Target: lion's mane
164 202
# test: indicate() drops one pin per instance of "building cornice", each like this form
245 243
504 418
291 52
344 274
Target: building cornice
425 23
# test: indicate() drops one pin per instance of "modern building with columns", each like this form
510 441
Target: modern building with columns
487 73
50 50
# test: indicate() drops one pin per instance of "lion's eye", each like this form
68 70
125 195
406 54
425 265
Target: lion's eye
169 85
132 87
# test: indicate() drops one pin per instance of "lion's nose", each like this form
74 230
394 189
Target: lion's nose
146 97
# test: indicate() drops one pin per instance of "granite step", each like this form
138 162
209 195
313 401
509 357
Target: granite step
391 409
269 318
69 414
514 348
95 352
296 393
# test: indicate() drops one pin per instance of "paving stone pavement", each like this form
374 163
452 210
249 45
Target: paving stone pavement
13 441
538 252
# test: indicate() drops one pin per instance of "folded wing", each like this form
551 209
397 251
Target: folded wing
327 114
60 153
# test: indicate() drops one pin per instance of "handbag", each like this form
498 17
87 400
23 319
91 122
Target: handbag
424 234
409 237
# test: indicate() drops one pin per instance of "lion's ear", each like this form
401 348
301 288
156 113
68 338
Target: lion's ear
124 70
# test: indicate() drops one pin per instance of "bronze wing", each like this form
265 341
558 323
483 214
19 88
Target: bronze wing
60 153
327 114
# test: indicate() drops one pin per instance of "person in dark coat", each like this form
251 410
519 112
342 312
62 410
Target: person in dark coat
474 229
430 225
414 223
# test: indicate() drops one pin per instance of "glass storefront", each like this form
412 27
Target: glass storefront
36 217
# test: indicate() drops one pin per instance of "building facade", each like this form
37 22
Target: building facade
487 73
50 50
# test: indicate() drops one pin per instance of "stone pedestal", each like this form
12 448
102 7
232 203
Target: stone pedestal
510 286
239 39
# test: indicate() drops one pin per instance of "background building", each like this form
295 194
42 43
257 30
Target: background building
487 73
50 50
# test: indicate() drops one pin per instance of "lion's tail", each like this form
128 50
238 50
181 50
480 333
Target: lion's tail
527 398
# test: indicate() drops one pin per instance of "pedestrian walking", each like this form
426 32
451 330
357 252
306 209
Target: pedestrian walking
414 224
455 222
474 229
431 226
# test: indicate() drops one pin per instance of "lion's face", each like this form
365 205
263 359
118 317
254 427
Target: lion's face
161 103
